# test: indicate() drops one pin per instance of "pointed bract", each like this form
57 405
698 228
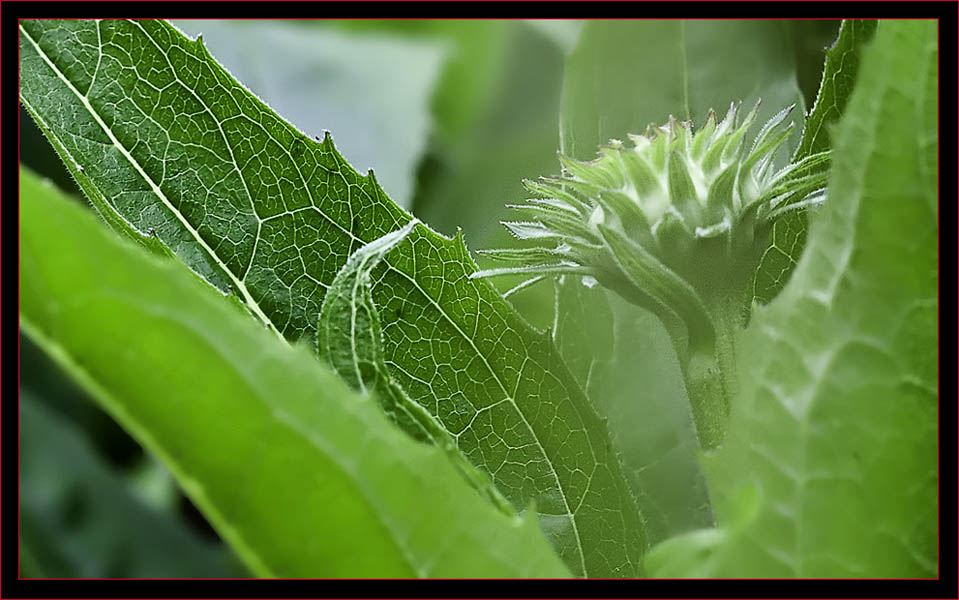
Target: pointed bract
701 203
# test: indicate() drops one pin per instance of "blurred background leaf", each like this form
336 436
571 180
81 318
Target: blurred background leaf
80 517
625 75
476 53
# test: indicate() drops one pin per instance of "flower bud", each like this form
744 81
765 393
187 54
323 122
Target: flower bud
669 218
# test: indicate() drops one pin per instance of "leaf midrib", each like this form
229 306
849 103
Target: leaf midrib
254 306
219 127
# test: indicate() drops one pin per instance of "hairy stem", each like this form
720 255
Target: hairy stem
710 376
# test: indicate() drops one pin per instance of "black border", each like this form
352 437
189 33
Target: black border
13 587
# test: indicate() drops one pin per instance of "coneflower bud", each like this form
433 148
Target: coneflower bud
675 222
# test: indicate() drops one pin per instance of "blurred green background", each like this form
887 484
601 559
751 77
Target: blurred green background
451 115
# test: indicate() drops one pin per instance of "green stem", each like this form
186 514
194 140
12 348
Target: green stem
710 376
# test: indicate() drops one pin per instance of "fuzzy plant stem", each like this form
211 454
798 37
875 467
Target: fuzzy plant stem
711 376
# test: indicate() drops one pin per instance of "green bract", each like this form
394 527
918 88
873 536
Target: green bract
696 204
676 223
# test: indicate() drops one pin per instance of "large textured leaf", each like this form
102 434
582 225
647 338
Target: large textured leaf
80 519
503 393
169 147
832 457
375 93
838 77
302 476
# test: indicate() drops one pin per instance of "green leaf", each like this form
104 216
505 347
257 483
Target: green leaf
202 164
470 178
349 333
350 338
838 77
831 465
374 92
811 40
82 519
168 140
502 391
301 476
